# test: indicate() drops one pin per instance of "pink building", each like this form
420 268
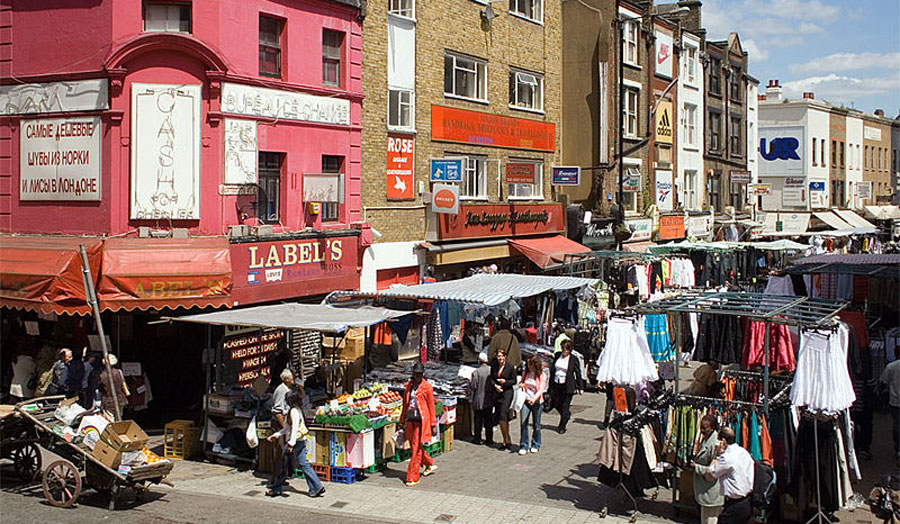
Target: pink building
161 121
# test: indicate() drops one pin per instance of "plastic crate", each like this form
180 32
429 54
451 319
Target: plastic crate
433 449
343 475
324 472
401 455
180 440
375 468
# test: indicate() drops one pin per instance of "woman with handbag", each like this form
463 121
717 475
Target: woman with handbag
420 423
566 373
503 378
294 452
532 388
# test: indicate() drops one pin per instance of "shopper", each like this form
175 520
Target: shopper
532 385
733 467
294 452
704 377
707 492
471 342
503 378
481 407
117 382
58 377
85 396
44 370
75 373
506 341
23 379
890 380
419 422
565 383
280 408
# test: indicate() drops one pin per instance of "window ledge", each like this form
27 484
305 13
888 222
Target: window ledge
693 149
396 129
474 199
521 199
523 17
401 17
632 65
526 109
467 99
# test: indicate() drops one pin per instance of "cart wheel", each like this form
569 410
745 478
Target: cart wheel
27 461
62 484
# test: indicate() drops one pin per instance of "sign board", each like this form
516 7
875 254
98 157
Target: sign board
671 227
323 187
631 180
641 228
508 219
759 189
59 159
446 169
864 189
165 151
665 195
485 129
599 234
566 176
445 199
664 123
740 177
699 226
400 167
664 54
794 192
245 354
520 173
872 133
240 152
55 97
781 150
263 102
817 196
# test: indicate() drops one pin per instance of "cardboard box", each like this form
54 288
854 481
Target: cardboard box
338 451
323 447
105 453
125 436
388 443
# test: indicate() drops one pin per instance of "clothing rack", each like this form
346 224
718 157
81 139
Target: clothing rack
820 515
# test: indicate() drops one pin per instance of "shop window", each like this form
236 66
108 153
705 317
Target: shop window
526 90
691 200
270 46
404 8
528 191
331 211
331 57
736 126
715 67
690 125
715 132
167 17
530 9
401 108
630 112
268 200
465 77
630 42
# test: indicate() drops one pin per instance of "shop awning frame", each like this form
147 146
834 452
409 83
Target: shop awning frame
863 264
547 253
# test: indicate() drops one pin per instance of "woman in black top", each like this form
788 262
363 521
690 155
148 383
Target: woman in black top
565 380
503 378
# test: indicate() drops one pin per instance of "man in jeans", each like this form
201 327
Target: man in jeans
734 469
890 380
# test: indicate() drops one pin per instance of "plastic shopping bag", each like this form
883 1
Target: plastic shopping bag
252 437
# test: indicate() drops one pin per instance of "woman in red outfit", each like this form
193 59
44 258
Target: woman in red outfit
420 423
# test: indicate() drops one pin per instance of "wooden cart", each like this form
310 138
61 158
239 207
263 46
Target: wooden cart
31 424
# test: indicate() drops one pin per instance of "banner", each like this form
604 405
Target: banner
566 176
664 54
664 120
59 159
400 167
485 129
665 196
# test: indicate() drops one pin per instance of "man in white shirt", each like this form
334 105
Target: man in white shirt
890 380
733 468
280 408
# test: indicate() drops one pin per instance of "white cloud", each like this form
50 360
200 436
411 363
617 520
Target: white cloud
848 62
757 54
842 89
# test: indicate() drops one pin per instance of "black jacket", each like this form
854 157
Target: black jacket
573 375
508 373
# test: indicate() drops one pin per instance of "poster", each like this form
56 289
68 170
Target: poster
240 152
794 192
322 187
664 54
59 159
165 151
664 194
664 119
400 166
244 355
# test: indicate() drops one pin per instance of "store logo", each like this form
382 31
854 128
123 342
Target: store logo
663 54
444 199
784 148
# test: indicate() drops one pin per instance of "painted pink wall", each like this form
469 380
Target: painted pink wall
61 39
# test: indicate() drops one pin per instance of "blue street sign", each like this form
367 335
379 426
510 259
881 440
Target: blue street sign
566 175
446 169
817 186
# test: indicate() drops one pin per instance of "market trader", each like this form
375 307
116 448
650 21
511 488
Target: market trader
419 422
890 380
733 468
504 340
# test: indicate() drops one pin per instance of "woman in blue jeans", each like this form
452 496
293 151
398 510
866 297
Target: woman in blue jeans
294 452
532 384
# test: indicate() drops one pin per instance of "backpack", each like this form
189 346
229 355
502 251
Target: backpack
763 487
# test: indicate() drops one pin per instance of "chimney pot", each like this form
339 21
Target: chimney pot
760 97
879 112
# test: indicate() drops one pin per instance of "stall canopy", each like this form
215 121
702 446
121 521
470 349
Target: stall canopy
547 252
784 224
852 218
867 264
831 220
487 289
314 317
145 273
774 245
883 212
43 273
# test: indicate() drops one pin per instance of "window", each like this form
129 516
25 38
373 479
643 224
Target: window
630 112
690 63
868 158
714 71
268 199
630 52
736 84
715 130
532 191
822 152
404 8
738 195
530 9
736 136
842 153
465 77
691 197
690 125
630 198
331 211
858 158
270 46
814 157
331 57
166 17
400 108
834 153
474 180
526 90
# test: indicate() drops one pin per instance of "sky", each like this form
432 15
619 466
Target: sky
846 52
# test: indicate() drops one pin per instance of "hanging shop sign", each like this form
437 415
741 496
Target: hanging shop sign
59 159
641 228
665 196
794 192
664 54
445 199
240 152
165 151
599 234
504 220
566 176
740 177
400 167
817 196
266 271
55 97
446 169
864 189
520 173
245 352
699 226
664 120
671 227
759 189
485 129
263 102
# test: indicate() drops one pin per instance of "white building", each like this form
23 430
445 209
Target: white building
854 169
751 134
689 177
793 151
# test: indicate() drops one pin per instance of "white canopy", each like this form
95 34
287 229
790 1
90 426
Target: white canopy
315 317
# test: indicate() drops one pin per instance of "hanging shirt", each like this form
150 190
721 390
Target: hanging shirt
562 369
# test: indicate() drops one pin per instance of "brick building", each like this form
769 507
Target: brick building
877 157
460 80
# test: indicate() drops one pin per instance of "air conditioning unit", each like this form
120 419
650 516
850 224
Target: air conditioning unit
143 232
180 232
238 231
264 231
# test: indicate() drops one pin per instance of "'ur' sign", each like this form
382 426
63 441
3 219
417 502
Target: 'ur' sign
784 148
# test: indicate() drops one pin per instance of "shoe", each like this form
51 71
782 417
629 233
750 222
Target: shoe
489 443
523 451
318 493
477 442
412 483
429 470
562 431
534 450
503 447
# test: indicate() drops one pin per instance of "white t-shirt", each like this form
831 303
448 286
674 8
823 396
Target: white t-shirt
734 471
561 370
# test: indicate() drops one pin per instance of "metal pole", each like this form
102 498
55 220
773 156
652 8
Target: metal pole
766 374
619 138
91 296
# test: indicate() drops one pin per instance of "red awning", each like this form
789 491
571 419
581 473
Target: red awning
143 273
547 252
43 273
